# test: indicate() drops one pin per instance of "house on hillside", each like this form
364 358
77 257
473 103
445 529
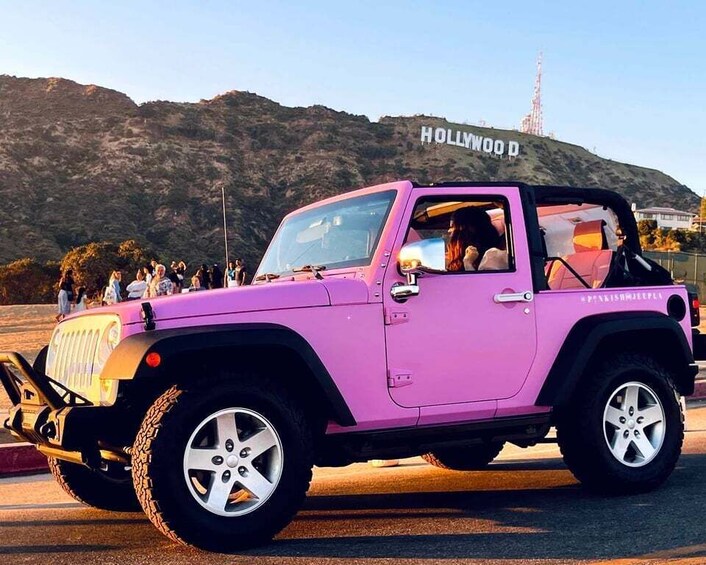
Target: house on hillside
666 217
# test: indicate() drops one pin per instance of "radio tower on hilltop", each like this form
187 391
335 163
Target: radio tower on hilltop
532 122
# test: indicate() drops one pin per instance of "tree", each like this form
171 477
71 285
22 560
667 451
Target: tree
26 281
93 263
675 239
133 255
647 229
695 242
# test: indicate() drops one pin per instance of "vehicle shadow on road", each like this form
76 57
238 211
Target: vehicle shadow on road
493 522
52 549
516 510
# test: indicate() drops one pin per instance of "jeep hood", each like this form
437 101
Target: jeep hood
256 298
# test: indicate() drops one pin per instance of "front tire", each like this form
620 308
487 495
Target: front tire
624 431
223 464
467 458
95 488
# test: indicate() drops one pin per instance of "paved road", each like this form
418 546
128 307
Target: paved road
526 509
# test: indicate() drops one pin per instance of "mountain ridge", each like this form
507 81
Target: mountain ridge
80 163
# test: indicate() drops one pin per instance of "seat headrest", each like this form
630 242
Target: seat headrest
499 224
590 236
413 235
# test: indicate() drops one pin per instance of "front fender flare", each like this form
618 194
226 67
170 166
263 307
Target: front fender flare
127 361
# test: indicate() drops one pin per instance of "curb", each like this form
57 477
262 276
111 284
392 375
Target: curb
21 458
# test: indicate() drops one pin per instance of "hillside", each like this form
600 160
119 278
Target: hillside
82 163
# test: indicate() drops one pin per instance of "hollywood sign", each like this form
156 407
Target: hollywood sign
470 141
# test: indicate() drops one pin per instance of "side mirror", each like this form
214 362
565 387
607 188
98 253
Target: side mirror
415 259
424 256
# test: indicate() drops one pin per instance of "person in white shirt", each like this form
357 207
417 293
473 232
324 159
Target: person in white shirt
110 295
80 299
148 272
136 289
160 285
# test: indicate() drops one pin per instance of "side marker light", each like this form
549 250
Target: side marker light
153 359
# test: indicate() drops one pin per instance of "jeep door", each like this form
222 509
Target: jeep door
468 336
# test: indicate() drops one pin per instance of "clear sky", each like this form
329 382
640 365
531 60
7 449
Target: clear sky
626 79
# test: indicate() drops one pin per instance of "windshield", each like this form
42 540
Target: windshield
342 234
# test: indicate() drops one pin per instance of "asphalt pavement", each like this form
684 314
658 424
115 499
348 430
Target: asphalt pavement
526 508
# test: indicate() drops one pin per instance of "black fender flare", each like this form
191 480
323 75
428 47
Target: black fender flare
128 360
40 361
589 334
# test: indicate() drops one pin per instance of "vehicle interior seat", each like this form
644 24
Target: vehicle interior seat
591 259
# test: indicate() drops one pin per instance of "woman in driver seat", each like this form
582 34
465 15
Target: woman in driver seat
474 243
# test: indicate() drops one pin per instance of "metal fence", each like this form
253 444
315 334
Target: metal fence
689 268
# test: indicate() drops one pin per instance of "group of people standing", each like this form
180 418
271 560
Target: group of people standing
153 280
67 298
150 281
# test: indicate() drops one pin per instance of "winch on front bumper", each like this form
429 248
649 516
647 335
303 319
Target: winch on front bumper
59 422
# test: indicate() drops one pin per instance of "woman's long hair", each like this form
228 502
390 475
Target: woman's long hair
471 226
66 275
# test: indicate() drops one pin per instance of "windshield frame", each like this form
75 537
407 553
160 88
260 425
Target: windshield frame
317 209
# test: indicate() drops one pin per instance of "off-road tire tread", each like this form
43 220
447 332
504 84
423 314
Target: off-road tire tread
91 489
154 421
573 438
142 456
470 458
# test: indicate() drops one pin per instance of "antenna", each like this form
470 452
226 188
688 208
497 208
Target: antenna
533 123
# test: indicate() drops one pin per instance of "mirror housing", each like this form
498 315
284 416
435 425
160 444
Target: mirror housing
424 256
415 259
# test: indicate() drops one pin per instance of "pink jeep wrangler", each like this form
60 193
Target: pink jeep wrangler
393 321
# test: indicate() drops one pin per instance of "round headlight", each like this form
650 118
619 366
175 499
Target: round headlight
113 335
109 339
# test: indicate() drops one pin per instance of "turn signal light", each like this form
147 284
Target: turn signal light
153 359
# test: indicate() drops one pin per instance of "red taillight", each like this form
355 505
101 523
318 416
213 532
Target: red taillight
695 304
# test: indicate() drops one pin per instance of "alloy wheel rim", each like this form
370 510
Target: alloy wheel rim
634 424
233 462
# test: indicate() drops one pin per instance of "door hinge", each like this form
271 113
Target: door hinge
396 317
399 378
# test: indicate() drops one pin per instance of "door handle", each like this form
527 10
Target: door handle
526 296
401 292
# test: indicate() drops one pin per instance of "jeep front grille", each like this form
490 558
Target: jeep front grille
78 351
75 355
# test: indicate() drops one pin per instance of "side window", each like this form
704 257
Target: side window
477 231
580 242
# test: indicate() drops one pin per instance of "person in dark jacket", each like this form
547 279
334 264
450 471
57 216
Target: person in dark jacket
240 272
175 278
204 276
216 276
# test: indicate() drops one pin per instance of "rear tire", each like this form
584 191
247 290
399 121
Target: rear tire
95 488
467 458
624 430
223 464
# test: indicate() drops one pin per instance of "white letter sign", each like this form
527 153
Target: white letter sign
470 141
